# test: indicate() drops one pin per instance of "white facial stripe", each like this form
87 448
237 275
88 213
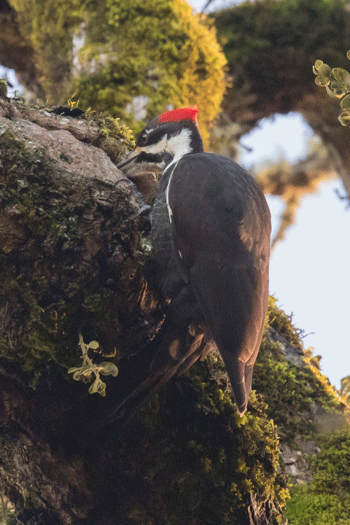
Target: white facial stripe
179 145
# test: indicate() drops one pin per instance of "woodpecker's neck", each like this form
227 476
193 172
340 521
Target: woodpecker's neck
183 143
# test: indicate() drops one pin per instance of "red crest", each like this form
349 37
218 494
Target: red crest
176 115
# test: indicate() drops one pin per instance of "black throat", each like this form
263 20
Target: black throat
196 143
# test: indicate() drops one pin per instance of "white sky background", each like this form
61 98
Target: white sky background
310 269
309 272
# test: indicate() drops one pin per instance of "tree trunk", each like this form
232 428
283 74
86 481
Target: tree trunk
75 258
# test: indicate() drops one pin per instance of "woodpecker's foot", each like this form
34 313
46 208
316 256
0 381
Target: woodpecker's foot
144 211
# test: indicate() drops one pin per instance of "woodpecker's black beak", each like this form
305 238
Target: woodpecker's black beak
137 153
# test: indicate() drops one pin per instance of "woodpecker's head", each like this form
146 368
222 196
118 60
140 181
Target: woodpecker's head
168 137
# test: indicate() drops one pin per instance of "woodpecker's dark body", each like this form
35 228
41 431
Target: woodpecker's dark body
211 239
221 227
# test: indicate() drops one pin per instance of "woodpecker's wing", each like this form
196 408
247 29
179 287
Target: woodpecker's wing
221 227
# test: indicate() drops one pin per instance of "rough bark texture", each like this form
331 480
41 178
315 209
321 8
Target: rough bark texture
75 257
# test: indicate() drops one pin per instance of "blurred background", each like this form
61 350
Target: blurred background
272 118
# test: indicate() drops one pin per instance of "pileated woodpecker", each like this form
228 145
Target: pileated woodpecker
211 239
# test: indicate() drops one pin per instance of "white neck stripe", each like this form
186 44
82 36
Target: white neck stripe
170 212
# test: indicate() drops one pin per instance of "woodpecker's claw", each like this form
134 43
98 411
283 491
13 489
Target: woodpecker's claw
143 211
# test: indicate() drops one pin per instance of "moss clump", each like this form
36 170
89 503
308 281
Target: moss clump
282 323
253 451
160 51
111 52
325 501
54 280
198 460
115 131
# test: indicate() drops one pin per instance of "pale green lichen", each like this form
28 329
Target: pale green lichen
337 84
88 369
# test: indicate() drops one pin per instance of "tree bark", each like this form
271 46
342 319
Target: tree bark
75 258
73 247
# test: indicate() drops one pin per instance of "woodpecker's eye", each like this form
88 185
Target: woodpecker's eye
143 139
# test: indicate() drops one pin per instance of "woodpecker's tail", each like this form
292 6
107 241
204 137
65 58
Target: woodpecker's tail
180 347
240 375
127 409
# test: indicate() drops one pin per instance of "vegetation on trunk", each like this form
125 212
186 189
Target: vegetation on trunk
76 257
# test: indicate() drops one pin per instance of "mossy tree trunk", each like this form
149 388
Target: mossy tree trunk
271 48
73 247
75 258
16 53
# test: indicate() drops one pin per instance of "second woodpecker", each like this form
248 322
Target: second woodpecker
211 239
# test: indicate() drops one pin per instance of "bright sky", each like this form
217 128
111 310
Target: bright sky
309 272
310 269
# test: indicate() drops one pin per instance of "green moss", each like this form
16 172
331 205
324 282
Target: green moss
325 501
50 281
199 459
158 49
291 392
282 323
115 131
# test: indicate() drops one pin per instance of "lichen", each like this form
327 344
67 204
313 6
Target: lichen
89 369
337 84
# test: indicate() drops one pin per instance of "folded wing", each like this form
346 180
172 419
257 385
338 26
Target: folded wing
222 239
